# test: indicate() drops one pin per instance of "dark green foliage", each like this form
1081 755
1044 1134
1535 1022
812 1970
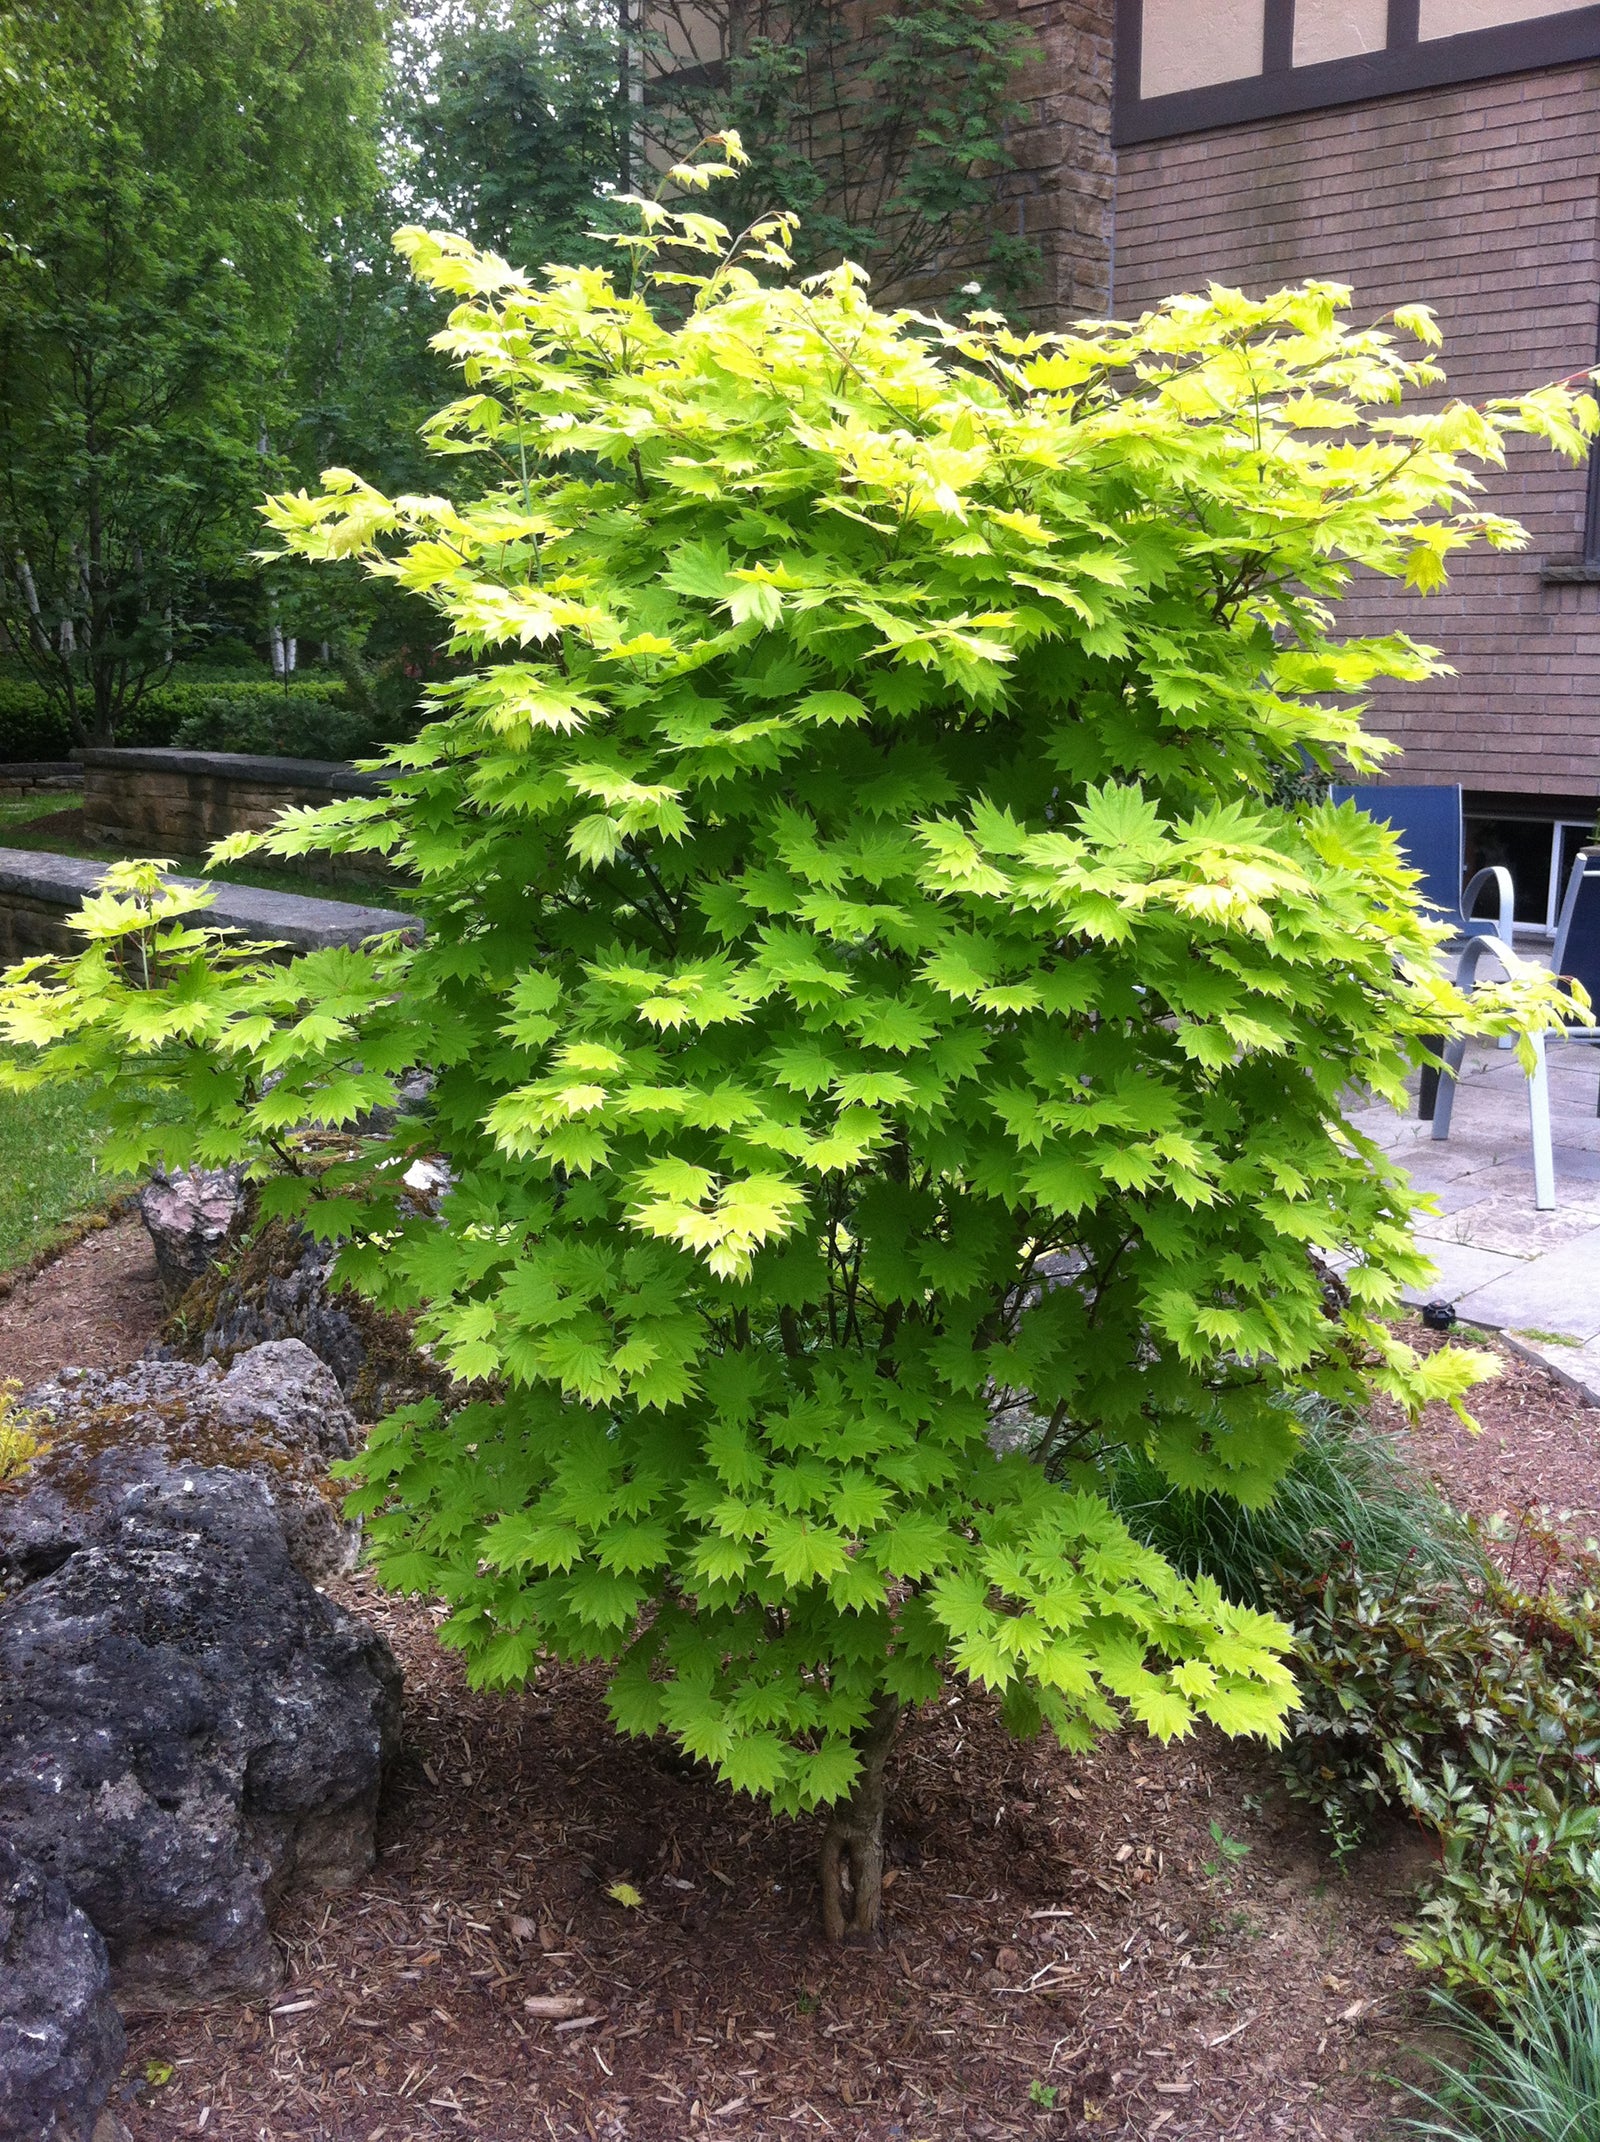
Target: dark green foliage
1476 1709
1538 2083
305 723
166 170
33 724
522 130
1350 1495
882 127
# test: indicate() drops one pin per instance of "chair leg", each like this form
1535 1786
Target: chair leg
1445 1098
1428 1087
1544 1167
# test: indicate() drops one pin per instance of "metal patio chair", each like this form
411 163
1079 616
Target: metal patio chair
1575 958
1426 819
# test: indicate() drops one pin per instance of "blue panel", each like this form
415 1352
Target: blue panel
1427 821
1580 955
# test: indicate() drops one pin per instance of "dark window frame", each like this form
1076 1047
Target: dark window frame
1405 64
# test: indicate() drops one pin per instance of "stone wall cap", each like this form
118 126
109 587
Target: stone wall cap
295 919
326 775
39 769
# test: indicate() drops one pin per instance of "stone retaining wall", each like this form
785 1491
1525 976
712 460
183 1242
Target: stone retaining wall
158 802
40 777
40 892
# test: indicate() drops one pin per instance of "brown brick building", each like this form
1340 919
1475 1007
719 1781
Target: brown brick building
1441 150
1446 151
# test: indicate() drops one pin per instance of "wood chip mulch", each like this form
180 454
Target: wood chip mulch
1072 1951
1530 1473
97 1304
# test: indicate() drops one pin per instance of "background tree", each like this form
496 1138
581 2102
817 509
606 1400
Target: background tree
167 169
500 119
881 125
523 134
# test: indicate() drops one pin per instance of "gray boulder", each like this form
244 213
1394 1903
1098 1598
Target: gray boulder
192 1217
61 2039
281 1287
187 1727
276 1414
287 1295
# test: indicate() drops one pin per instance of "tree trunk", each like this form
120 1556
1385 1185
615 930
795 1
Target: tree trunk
852 1848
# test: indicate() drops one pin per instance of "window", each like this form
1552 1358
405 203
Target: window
1535 840
1183 65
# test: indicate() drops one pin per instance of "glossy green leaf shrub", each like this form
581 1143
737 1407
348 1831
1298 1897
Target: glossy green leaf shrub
1475 1708
864 978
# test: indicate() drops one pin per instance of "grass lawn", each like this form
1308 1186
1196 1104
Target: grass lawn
50 1169
49 1141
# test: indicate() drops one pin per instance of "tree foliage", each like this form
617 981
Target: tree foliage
866 977
166 170
524 131
882 126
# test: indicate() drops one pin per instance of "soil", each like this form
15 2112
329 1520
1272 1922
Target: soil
97 1305
54 825
1529 1471
1146 1942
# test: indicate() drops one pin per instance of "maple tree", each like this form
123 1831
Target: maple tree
889 1045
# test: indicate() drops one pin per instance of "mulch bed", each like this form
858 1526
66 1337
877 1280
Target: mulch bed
1070 1924
96 1305
1531 1471
1072 1949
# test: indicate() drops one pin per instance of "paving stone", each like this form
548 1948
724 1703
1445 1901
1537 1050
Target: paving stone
39 891
1459 1269
1557 1292
1429 1161
1499 1224
1578 1366
1458 1196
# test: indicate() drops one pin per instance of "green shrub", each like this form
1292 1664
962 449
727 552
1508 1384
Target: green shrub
31 728
1428 1686
300 724
226 655
1536 2082
34 727
852 890
1475 1709
1350 1497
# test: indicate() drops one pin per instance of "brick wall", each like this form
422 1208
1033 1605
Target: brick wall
1482 202
1061 195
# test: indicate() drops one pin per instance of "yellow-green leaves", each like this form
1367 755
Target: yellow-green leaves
725 1223
882 1014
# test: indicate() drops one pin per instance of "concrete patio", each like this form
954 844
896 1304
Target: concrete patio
1533 1275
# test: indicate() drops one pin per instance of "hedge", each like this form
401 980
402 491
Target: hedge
33 726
